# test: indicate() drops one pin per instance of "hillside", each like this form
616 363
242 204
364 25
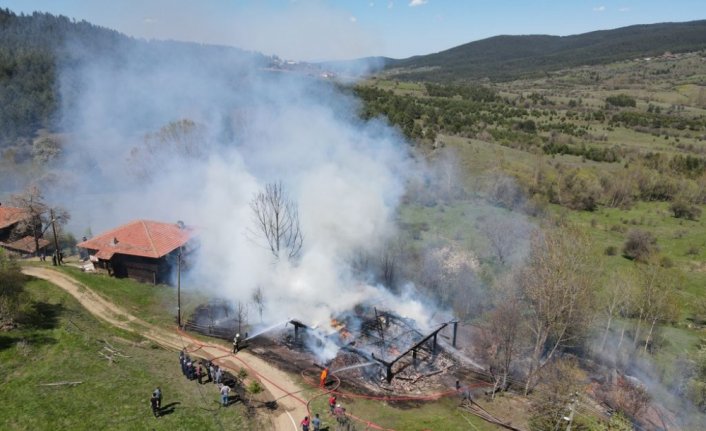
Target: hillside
504 58
35 49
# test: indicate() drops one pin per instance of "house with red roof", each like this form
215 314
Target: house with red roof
10 217
143 250
17 233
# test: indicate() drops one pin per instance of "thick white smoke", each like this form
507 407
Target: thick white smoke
254 127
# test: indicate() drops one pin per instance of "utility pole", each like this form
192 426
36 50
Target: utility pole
179 288
56 241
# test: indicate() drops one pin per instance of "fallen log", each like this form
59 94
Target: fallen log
59 384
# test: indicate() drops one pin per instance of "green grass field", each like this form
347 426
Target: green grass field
146 365
59 341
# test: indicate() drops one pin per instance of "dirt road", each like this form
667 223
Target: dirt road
291 407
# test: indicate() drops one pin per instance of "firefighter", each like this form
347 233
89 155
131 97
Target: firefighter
324 376
236 343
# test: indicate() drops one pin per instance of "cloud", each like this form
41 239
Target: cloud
415 3
624 9
149 20
390 5
353 19
599 9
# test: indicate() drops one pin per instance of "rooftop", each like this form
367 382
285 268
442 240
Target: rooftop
11 215
26 244
143 238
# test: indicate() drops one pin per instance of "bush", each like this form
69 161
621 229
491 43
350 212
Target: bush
621 100
693 251
611 250
666 262
254 387
11 289
639 245
242 373
682 209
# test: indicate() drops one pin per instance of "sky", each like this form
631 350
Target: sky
346 29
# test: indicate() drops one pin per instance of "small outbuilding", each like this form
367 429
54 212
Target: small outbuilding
143 250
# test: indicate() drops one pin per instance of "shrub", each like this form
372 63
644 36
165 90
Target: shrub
622 100
242 373
666 262
639 245
693 251
254 387
611 250
682 209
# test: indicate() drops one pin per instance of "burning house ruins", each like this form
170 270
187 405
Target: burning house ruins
374 350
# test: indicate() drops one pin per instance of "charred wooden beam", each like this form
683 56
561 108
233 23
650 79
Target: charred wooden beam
422 341
297 326
453 342
389 364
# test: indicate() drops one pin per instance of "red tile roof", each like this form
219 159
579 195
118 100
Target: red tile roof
11 215
26 244
139 238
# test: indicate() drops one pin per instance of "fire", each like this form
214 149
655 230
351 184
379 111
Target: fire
340 327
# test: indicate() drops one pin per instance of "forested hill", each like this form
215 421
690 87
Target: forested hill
503 58
34 48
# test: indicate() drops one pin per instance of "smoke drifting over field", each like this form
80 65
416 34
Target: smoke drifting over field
244 127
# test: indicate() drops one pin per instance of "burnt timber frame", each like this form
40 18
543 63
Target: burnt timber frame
432 335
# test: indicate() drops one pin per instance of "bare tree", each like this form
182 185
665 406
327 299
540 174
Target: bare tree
657 298
557 286
613 299
183 139
258 298
32 202
277 219
505 236
241 313
39 214
502 334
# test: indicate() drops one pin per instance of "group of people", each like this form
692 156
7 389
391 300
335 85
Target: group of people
314 423
197 370
335 409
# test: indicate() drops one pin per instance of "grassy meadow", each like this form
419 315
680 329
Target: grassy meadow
58 341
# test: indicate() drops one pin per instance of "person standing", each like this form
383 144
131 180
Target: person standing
158 393
316 423
236 343
332 403
225 390
305 423
199 374
219 375
210 371
153 404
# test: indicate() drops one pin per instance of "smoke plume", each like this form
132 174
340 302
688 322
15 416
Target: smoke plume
169 132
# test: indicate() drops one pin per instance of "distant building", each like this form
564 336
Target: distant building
142 250
10 217
26 246
16 232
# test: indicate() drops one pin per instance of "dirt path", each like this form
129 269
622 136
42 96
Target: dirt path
292 406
